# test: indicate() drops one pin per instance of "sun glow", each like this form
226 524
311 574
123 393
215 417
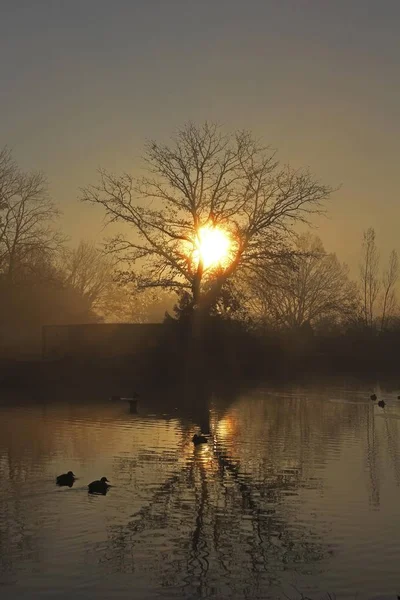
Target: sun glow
212 246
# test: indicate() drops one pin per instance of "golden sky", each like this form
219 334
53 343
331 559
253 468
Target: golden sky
83 84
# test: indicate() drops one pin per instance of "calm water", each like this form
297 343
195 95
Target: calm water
300 488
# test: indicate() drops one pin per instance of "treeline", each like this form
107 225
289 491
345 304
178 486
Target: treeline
313 292
43 280
316 292
307 316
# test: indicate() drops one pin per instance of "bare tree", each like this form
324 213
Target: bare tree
91 273
389 280
205 179
316 286
27 216
369 272
8 186
8 176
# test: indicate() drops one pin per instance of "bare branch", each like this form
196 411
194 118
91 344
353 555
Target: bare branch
27 217
369 272
389 280
308 286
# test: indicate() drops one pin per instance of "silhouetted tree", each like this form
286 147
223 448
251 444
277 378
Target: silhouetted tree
378 290
229 304
313 287
91 274
205 178
389 280
369 272
37 295
27 216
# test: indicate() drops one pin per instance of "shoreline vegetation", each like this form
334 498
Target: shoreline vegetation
224 357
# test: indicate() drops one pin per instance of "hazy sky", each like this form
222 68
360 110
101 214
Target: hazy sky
83 83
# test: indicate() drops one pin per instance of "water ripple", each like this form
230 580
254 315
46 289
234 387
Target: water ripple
295 486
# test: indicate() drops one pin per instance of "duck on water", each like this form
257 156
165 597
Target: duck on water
100 486
199 439
66 479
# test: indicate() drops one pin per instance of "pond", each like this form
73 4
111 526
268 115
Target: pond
297 491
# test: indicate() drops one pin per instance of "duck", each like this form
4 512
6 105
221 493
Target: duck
66 479
99 486
199 439
381 403
373 397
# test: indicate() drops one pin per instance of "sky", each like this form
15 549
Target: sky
84 83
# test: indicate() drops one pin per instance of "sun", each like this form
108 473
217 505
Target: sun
212 246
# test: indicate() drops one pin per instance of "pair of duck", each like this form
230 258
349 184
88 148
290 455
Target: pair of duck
381 403
99 486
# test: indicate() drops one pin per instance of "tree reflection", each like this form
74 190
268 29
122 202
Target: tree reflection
223 520
222 516
372 456
219 526
393 443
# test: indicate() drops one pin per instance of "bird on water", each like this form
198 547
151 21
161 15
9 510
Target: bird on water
66 479
381 403
99 486
373 397
199 439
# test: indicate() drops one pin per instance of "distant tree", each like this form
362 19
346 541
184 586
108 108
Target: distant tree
369 273
33 290
37 296
136 305
27 216
92 274
8 176
389 280
88 271
205 179
315 287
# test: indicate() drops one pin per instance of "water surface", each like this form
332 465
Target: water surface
298 488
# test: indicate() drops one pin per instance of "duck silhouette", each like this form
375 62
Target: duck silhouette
373 397
66 479
381 403
199 439
99 486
